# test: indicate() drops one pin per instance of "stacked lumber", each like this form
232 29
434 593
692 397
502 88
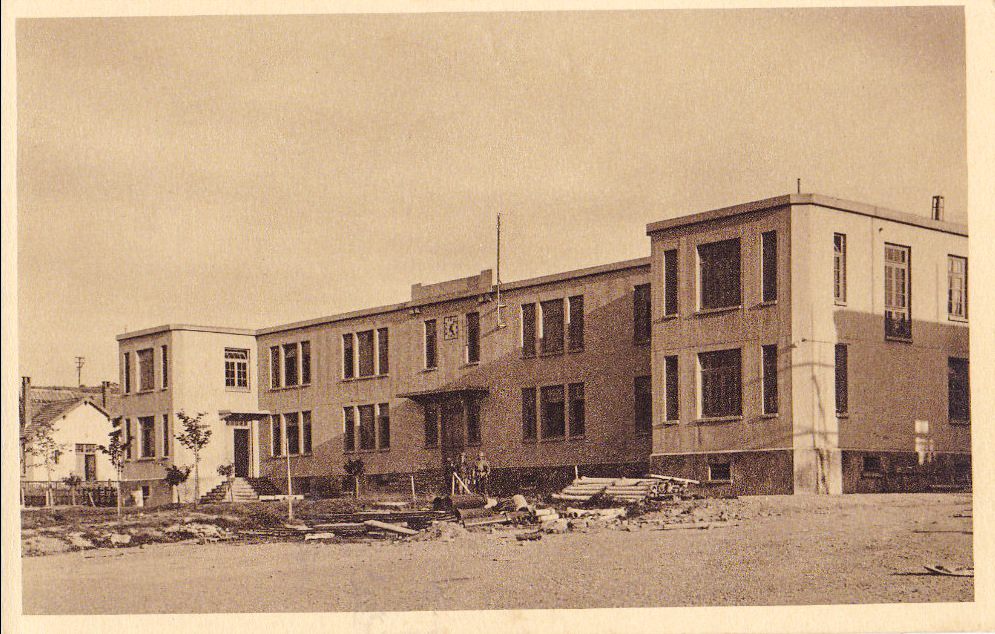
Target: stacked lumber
628 490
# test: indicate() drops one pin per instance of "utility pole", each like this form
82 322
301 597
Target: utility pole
500 319
79 370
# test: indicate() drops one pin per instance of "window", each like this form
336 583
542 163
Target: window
146 371
718 275
306 432
348 357
529 413
528 330
842 389
431 425
769 378
364 344
274 366
430 339
349 421
721 385
305 362
720 472
291 422
671 396
383 426
383 355
473 337
670 282
277 434
768 265
127 373
552 326
958 391
165 366
147 430
643 404
576 393
897 286
553 411
166 438
575 333
839 268
236 368
641 300
871 466
957 287
473 422
367 428
290 364
127 439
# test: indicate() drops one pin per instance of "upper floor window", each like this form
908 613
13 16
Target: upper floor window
839 268
146 426
305 362
237 368
473 337
719 274
127 373
552 326
364 345
897 292
290 374
383 351
348 357
575 331
641 299
720 383
365 354
290 364
670 282
274 367
431 337
146 370
528 330
768 266
957 287
164 356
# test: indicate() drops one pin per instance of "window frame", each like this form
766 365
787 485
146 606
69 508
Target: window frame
430 414
368 431
769 379
552 345
545 433
126 370
349 429
235 364
953 415
577 410
642 405
897 329
530 414
671 283
529 335
383 426
166 438
431 344
348 356
472 348
732 409
952 313
146 435
671 389
146 370
839 269
707 255
276 436
164 366
382 345
642 313
292 421
275 367
841 379
723 466
575 323
768 267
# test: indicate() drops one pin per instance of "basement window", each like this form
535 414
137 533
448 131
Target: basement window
871 467
720 472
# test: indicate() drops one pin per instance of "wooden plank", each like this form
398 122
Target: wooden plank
394 528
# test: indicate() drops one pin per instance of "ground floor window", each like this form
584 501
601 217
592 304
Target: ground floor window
770 378
431 425
871 466
147 430
643 405
367 427
553 411
576 409
958 391
720 471
842 389
721 383
383 425
276 435
473 422
529 413
292 423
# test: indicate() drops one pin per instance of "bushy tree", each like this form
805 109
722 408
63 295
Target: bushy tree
42 445
175 476
72 481
116 450
227 471
355 468
195 437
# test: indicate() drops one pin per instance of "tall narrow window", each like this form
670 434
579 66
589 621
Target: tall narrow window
528 330
553 411
383 426
768 265
166 437
276 435
671 389
842 389
127 373
164 356
292 423
719 274
349 430
236 368
958 391
146 370
430 345
473 422
473 337
529 413
670 282
721 383
383 352
552 326
957 287
643 404
305 362
127 439
290 375
147 430
364 342
306 432
274 367
641 311
897 296
839 268
576 393
575 334
367 428
770 378
348 357
431 425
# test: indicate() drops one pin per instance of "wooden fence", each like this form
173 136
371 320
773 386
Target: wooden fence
58 493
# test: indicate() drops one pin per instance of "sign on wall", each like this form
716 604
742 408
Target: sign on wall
450 327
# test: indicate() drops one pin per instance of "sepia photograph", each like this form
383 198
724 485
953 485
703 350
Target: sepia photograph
418 311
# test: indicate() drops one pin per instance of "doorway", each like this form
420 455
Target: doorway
241 444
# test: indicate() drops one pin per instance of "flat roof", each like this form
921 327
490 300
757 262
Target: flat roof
810 199
134 334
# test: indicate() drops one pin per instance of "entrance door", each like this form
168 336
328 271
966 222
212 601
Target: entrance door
241 453
90 467
452 430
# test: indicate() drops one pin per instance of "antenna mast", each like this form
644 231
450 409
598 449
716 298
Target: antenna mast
79 370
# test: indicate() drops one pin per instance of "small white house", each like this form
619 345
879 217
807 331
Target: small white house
78 428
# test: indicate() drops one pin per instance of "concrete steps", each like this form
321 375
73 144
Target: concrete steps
242 490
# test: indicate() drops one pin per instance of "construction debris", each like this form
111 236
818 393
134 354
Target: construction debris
940 569
626 490
393 528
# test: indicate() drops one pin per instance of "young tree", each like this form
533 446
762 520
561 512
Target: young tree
72 481
175 476
43 446
195 437
355 468
116 450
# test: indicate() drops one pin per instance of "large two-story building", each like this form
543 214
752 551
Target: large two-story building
800 343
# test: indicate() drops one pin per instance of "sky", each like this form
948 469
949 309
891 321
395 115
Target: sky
249 171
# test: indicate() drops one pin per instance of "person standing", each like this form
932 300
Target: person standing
481 473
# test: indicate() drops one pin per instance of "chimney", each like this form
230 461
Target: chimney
25 400
937 207
103 393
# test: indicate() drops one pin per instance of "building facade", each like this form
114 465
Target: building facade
809 344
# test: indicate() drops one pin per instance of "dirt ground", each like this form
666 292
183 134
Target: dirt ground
771 551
